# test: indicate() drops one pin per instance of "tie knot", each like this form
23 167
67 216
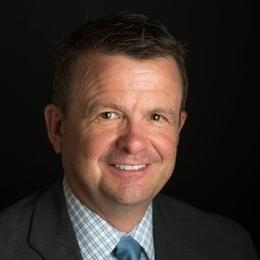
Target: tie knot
127 249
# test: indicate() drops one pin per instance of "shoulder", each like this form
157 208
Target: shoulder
22 212
15 219
179 211
202 230
16 223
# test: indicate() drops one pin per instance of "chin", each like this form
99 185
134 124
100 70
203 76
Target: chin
134 198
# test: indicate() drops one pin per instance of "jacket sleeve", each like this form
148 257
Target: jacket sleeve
251 251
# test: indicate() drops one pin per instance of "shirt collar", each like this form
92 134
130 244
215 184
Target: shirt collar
96 237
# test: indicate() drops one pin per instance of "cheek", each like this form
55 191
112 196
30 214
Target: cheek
94 144
166 145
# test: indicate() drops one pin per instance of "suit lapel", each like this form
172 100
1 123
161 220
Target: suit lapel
169 238
52 235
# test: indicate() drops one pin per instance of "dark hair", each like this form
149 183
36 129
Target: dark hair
131 34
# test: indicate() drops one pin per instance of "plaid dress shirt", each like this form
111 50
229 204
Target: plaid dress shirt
97 238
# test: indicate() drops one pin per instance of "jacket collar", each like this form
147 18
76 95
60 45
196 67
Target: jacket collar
51 234
171 238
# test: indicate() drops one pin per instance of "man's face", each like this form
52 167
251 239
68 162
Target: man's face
120 136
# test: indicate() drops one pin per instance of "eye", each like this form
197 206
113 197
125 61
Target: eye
108 115
156 117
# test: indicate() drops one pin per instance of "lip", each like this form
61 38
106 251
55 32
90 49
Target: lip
133 172
130 167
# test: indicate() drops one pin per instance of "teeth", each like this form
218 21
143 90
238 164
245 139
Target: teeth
128 167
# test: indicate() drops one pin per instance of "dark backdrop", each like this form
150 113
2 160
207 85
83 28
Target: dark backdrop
217 168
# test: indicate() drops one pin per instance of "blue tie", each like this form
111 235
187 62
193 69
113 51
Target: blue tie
127 249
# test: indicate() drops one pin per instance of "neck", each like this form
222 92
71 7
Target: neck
123 218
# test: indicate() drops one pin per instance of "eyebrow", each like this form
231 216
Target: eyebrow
97 105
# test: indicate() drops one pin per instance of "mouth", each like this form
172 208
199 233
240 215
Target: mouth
130 167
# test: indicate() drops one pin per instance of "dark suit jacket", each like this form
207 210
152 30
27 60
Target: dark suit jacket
39 227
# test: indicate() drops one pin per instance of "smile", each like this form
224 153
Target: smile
128 167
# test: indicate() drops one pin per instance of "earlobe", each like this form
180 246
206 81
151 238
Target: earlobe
53 120
182 120
183 117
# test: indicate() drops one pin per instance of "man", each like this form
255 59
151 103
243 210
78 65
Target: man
118 109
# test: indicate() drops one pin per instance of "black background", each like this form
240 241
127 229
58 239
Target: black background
217 167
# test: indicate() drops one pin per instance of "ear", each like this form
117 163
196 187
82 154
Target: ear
183 117
53 120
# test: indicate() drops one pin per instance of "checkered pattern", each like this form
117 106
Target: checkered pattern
97 238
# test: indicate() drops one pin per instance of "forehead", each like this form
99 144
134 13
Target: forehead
96 73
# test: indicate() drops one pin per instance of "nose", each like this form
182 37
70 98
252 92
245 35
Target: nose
132 139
